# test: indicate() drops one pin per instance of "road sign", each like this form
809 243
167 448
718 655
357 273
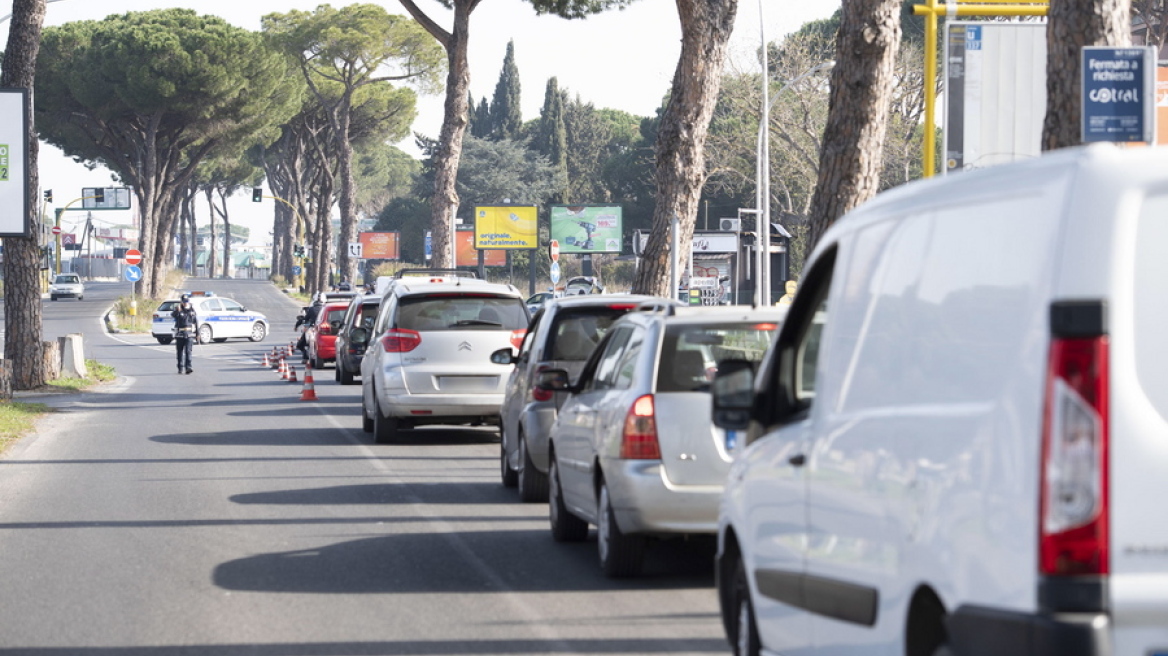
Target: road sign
133 273
56 230
1119 94
554 250
355 249
296 270
429 245
554 272
133 256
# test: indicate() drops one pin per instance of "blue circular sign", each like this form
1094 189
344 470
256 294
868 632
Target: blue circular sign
554 272
133 273
295 270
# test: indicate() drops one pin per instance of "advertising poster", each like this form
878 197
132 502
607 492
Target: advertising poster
14 201
507 227
467 256
380 245
587 228
1118 94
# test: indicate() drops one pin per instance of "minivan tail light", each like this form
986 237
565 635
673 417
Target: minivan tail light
400 340
517 337
538 394
639 439
1074 532
326 329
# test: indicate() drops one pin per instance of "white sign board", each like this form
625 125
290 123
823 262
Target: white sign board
355 249
14 202
708 241
995 93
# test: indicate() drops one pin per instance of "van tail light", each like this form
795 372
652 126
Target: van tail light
1074 534
538 394
400 340
639 439
326 329
517 338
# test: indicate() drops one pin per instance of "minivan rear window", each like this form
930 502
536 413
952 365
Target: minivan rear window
576 332
461 312
690 354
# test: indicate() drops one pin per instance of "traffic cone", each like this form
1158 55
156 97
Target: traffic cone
309 392
291 374
288 350
283 369
275 360
267 362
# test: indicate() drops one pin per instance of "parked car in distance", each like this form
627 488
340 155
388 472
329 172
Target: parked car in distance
361 313
577 285
561 336
537 300
427 360
67 285
322 334
955 455
633 449
219 317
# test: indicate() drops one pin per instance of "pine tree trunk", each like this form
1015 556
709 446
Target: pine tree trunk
22 255
444 203
348 204
1072 24
857 115
706 26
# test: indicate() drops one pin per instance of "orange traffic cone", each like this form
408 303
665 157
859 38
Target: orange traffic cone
288 350
309 393
274 362
291 374
283 369
267 362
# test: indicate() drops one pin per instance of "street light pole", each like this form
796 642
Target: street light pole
763 167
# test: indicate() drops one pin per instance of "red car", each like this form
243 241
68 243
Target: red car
322 335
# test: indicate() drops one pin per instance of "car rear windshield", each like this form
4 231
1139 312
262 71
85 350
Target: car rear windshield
167 306
336 317
576 332
68 280
690 354
461 312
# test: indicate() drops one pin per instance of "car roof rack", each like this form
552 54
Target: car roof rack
457 273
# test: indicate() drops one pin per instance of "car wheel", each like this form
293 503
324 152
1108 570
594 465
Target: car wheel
366 420
533 484
164 339
205 334
81 298
384 428
316 363
620 555
346 375
258 332
746 641
219 340
510 477
566 527
337 374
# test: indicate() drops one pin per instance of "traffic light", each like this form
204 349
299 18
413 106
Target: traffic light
257 194
48 195
99 195
298 250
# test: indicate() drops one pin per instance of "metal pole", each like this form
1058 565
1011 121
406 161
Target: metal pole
764 138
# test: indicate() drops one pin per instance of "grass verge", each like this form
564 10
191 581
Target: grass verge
18 418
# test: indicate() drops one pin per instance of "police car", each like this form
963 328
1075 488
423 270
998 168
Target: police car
219 319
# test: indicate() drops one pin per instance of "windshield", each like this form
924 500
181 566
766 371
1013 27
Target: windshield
67 280
690 354
576 333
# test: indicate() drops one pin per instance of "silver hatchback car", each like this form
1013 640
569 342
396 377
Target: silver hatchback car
427 357
633 449
562 335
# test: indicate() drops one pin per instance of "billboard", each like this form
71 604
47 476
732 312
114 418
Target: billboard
587 228
1118 87
466 255
14 200
380 245
507 227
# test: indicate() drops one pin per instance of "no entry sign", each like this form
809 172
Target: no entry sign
133 256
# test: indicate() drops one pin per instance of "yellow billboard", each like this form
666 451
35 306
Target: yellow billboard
506 227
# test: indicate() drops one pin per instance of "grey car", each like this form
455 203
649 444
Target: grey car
633 449
561 336
362 312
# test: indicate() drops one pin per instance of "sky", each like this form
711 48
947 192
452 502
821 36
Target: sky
619 59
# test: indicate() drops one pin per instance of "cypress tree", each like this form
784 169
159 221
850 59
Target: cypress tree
506 114
551 140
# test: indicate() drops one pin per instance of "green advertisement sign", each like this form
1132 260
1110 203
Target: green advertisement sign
587 228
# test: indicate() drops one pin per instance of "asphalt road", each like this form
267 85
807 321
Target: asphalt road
218 514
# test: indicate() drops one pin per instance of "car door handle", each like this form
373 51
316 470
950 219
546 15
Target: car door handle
797 460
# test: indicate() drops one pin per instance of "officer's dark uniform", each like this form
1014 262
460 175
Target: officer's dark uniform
186 325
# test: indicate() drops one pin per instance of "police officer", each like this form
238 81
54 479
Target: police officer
186 326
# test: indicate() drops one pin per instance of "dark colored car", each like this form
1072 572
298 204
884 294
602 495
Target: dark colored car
362 313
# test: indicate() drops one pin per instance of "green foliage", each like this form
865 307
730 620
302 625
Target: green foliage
506 114
492 171
572 8
410 216
551 134
18 419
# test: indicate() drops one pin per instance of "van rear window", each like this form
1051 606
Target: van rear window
454 312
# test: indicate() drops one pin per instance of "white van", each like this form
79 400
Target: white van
960 436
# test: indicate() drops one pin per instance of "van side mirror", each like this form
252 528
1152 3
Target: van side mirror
503 356
732 394
359 336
